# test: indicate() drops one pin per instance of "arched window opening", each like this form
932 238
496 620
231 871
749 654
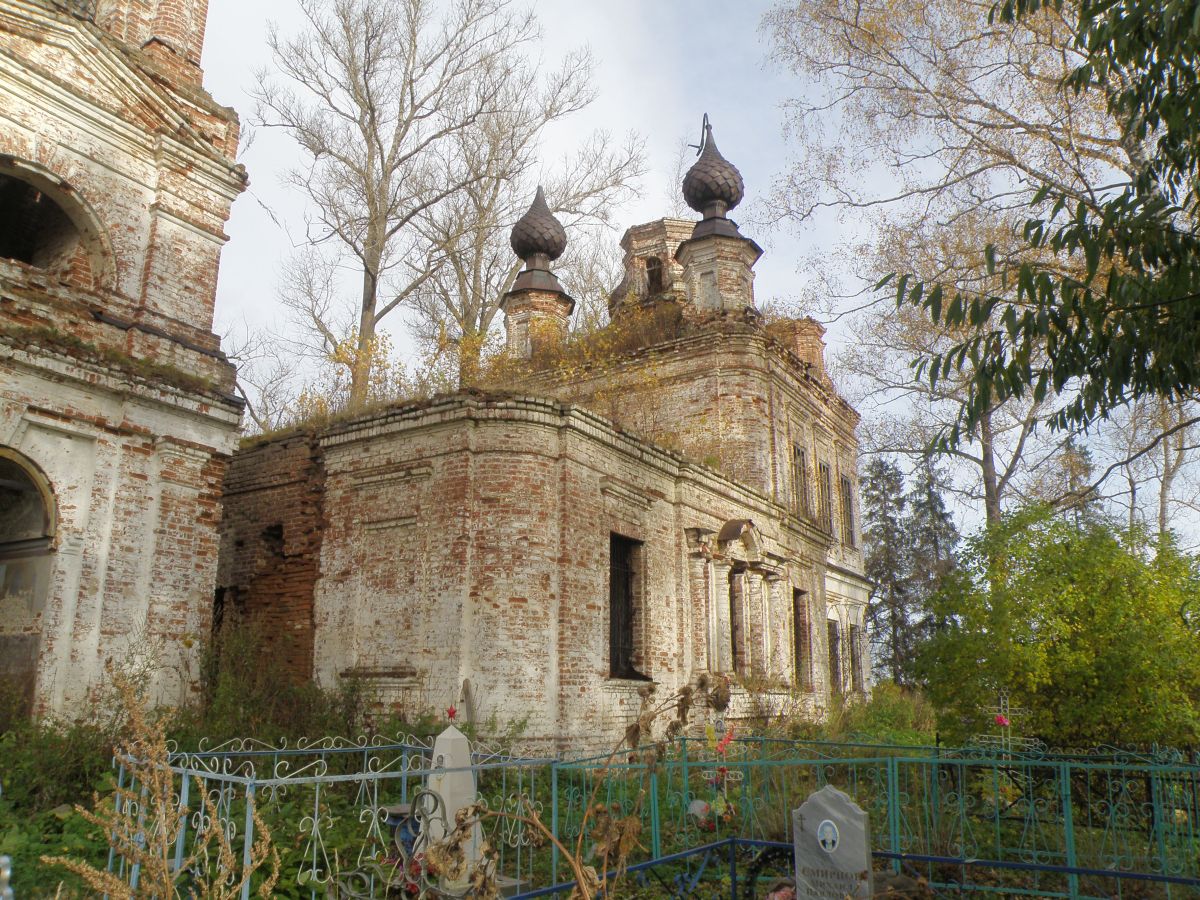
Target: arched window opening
26 513
654 276
26 542
47 224
34 229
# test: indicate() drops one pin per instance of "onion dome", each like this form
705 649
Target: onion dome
712 186
538 233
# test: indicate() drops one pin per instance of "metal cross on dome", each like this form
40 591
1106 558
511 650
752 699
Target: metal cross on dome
704 126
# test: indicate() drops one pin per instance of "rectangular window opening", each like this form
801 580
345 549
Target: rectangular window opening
737 620
624 571
801 640
836 685
856 661
825 498
847 513
800 495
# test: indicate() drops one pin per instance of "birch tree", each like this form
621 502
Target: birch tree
456 308
378 94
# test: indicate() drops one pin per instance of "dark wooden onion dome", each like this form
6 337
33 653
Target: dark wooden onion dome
712 186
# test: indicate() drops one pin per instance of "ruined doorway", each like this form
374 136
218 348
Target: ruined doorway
26 544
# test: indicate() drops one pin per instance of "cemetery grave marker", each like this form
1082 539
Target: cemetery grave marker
831 837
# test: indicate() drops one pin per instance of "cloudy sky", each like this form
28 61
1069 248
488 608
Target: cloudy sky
661 64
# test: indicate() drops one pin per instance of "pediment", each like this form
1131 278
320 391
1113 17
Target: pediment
71 62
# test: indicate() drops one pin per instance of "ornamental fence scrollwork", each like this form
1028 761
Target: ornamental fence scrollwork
354 817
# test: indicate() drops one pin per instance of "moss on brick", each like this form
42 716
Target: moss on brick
42 337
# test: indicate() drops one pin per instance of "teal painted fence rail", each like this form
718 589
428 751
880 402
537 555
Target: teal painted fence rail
1060 825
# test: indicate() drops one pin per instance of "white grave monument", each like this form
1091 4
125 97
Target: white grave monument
832 840
457 789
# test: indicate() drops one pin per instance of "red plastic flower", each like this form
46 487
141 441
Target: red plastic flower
723 744
1002 720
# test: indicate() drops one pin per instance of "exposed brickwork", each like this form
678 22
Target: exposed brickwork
531 315
466 545
270 546
466 551
112 385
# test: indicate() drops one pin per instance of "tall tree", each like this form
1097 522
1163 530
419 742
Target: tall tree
1114 314
456 307
906 413
970 128
933 542
378 95
887 564
1081 625
952 115
1157 440
935 124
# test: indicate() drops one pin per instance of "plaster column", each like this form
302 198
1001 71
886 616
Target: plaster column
698 599
721 645
777 630
758 624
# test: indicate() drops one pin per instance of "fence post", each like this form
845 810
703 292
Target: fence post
404 777
686 782
248 841
893 778
1160 822
183 817
139 837
1064 775
6 892
112 846
655 836
554 822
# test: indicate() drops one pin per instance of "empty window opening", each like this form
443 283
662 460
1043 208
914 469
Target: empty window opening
847 513
654 275
856 652
624 594
25 516
800 495
26 539
825 496
737 619
33 228
801 640
836 685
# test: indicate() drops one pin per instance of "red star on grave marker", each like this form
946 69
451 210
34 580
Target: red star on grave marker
451 712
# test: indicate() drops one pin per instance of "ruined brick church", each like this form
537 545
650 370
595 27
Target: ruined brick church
534 556
117 414
523 558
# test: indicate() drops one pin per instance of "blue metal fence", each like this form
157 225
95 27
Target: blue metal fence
1061 825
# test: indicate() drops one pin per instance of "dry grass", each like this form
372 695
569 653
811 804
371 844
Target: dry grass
143 818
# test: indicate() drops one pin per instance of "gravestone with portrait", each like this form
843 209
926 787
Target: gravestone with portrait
832 841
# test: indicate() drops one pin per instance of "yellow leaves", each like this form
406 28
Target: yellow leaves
329 393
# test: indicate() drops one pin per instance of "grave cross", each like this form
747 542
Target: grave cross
1002 715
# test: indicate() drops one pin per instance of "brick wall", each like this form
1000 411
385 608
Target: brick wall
270 538
464 558
112 383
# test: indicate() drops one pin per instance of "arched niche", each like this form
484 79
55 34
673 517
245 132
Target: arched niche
45 223
28 522
739 538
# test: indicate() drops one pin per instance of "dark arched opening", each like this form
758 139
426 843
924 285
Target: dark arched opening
33 228
27 521
45 223
654 276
